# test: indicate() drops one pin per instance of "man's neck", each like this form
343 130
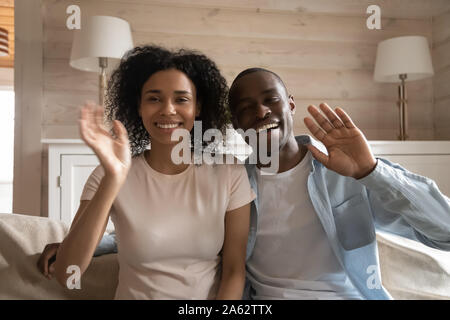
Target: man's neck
290 155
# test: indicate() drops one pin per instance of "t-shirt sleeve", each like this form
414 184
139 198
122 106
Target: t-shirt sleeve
92 183
240 191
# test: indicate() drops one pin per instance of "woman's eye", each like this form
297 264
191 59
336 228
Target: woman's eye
181 100
153 99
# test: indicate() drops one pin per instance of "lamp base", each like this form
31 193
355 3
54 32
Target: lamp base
402 106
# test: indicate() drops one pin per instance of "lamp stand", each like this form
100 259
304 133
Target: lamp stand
402 105
103 64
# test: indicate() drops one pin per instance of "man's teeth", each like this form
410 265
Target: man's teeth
267 127
167 126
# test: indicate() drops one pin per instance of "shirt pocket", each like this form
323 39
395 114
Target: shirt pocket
354 223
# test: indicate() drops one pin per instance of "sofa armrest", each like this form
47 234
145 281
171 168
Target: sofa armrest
22 239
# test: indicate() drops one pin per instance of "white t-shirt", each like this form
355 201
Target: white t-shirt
170 228
292 258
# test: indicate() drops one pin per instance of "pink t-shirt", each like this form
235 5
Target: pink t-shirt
170 228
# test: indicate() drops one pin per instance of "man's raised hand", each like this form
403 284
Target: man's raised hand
349 153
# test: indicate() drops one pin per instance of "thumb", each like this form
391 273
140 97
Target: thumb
120 131
320 156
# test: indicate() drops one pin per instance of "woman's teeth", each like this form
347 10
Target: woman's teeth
167 126
267 127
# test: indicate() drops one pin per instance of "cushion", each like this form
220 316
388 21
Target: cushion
411 270
22 239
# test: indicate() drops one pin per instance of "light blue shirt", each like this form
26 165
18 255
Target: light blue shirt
390 199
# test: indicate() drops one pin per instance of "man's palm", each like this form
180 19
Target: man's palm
349 153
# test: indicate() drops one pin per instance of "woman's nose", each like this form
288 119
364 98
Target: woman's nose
168 109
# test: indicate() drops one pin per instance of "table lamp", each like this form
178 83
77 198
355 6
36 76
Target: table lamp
403 59
100 38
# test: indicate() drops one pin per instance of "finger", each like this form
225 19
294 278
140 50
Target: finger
85 132
345 118
99 117
51 269
91 109
86 116
44 264
40 265
314 128
334 119
320 119
322 157
120 131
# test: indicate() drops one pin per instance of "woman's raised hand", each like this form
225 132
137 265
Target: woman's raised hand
113 152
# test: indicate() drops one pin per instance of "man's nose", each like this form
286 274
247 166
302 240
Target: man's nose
262 111
168 109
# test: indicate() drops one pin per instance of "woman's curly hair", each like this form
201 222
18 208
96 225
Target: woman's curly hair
139 64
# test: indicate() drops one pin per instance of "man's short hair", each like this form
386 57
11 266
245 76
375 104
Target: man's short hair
253 70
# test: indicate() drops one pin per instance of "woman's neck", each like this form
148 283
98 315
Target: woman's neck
159 157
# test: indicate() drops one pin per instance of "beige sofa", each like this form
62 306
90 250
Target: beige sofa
409 270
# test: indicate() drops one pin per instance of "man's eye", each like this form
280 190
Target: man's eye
273 99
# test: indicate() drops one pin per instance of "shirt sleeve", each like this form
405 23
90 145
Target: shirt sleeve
240 191
92 183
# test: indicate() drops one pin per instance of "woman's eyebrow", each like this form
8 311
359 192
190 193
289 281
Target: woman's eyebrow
152 91
176 91
182 92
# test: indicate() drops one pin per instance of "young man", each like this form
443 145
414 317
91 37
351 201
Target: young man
312 233
313 224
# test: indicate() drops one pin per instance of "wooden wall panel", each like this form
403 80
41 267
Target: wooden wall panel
321 49
441 79
392 9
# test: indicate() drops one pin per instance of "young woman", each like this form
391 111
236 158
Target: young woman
181 229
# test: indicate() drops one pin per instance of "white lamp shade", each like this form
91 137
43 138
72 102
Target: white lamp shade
100 36
403 55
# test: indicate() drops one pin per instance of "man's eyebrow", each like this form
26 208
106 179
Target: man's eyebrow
270 90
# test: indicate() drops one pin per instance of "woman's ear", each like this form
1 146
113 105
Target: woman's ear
139 107
198 109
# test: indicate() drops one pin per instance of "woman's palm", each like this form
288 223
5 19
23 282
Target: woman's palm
113 152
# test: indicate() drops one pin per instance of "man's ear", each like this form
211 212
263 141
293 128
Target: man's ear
292 105
234 122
